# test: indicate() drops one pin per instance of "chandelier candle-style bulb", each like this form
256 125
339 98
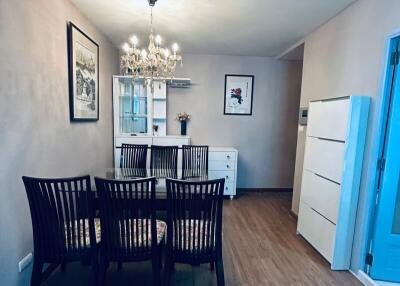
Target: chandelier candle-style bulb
158 40
166 53
134 41
175 47
126 48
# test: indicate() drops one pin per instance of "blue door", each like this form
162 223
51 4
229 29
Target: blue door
386 239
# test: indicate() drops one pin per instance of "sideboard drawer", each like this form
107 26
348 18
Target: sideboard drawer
221 165
229 176
222 156
228 189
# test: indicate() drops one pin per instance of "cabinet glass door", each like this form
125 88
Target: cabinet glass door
132 107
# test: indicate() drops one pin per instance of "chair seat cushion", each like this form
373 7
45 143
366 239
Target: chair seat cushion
84 234
138 233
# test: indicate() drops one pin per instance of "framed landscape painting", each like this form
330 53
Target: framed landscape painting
238 94
83 64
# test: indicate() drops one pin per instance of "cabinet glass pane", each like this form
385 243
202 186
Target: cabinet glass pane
396 219
132 107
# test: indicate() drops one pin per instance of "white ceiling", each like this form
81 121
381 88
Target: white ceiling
233 27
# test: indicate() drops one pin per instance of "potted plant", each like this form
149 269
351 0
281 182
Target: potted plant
183 118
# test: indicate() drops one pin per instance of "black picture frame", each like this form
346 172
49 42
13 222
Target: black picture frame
72 32
228 85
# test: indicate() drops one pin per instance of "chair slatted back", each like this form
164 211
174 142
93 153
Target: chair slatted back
133 156
195 219
194 161
164 161
61 210
127 217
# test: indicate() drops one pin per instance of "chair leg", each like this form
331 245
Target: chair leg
37 269
63 266
95 269
212 265
168 268
103 272
220 272
156 270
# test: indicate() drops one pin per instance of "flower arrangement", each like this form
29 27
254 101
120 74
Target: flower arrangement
183 117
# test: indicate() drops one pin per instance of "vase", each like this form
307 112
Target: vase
183 127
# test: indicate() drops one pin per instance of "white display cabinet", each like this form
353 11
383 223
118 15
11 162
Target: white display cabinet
136 109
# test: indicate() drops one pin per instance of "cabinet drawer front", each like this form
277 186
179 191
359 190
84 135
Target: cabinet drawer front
317 230
325 158
221 165
229 176
221 156
228 189
320 194
329 119
133 140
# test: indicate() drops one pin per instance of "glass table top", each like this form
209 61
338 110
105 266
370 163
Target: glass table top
160 174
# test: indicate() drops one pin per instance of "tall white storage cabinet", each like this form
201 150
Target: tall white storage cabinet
331 176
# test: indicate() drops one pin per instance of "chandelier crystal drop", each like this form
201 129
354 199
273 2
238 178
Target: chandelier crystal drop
154 63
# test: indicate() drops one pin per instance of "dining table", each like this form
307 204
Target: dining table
160 174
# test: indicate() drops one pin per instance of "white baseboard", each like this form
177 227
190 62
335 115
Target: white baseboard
364 278
368 281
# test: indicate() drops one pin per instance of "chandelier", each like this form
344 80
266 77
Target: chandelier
154 63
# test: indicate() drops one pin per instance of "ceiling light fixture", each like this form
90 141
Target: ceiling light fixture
154 63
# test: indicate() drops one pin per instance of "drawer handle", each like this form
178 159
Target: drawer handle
227 177
226 188
228 166
228 156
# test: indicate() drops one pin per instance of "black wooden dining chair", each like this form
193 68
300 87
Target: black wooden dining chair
133 156
194 218
63 223
194 161
129 229
164 161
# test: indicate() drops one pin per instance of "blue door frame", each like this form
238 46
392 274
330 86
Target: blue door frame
367 204
385 244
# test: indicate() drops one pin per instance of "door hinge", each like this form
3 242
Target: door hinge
395 58
368 259
381 164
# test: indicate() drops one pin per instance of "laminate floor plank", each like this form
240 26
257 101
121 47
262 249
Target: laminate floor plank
260 248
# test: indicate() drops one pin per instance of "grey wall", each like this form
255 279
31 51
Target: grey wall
36 136
344 57
266 140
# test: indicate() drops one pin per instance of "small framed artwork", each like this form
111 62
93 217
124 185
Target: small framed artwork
83 65
238 94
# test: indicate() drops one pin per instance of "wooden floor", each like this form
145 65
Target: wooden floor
260 248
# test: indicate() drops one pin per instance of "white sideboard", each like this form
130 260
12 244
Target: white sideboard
222 163
331 176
